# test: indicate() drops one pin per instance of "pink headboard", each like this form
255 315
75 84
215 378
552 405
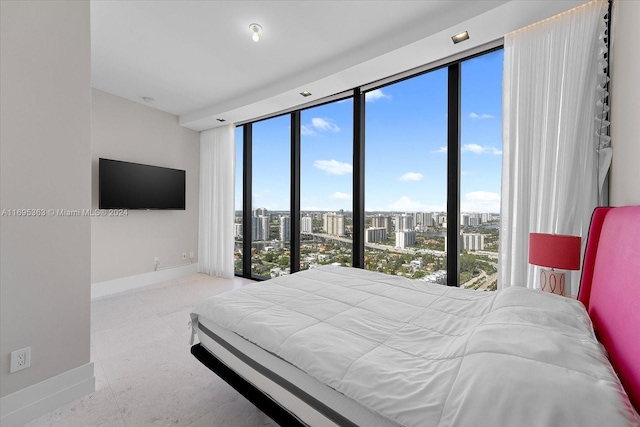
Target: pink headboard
610 289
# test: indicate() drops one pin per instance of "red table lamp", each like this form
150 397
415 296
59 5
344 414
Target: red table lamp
554 251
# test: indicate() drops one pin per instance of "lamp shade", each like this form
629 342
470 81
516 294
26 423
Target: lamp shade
554 251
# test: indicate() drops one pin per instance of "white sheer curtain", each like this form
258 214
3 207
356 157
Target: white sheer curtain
217 174
552 85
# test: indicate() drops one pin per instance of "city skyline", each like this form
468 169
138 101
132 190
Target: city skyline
405 151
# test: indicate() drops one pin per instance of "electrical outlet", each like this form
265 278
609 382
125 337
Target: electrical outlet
184 255
192 255
156 260
20 359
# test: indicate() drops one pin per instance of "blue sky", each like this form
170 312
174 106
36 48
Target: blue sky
405 152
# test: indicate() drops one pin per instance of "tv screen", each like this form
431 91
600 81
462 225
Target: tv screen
124 185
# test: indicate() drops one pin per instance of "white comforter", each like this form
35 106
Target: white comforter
430 355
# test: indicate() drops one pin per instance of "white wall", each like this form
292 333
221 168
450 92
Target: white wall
45 163
625 104
126 246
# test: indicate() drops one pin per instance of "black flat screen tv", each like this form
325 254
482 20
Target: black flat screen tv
124 185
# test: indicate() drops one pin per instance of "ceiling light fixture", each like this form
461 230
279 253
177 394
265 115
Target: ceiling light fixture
460 37
305 93
148 100
221 120
255 32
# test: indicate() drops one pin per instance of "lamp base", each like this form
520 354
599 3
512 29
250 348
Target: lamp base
551 281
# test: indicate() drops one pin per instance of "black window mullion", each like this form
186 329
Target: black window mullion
358 178
247 217
295 193
453 176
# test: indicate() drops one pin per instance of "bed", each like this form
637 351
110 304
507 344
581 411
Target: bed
349 347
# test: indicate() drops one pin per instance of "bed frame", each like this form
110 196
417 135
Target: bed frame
609 289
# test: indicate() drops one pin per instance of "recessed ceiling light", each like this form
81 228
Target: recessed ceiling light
460 37
255 32
221 120
148 100
305 93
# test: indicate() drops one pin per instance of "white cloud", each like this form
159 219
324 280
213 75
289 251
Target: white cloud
481 201
405 204
481 116
306 130
324 124
375 95
440 150
411 176
479 149
333 167
341 196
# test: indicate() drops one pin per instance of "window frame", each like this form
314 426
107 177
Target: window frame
453 64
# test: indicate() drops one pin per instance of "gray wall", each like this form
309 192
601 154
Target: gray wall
126 246
625 104
45 163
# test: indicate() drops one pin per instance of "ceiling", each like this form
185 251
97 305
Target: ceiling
197 60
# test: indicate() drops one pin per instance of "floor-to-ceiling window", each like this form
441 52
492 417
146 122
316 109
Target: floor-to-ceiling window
406 177
429 192
326 181
480 172
270 198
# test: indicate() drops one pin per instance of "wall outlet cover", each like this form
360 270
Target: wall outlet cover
20 359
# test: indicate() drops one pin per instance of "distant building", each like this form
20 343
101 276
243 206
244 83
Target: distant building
405 238
306 224
423 220
334 224
382 221
260 228
238 230
404 222
472 241
375 234
285 228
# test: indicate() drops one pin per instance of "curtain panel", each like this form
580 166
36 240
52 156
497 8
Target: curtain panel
217 174
552 99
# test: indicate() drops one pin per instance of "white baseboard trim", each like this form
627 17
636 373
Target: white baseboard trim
32 402
124 284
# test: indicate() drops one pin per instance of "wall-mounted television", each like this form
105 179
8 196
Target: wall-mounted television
125 185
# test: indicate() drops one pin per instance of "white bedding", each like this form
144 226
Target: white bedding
429 355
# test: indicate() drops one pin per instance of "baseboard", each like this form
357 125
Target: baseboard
124 284
32 402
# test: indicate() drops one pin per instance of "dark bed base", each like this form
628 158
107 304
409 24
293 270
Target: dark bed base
261 400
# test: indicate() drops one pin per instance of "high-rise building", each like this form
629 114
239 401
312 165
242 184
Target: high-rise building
422 220
375 234
383 221
260 228
261 212
335 224
306 224
464 219
405 238
404 222
238 230
472 241
285 228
